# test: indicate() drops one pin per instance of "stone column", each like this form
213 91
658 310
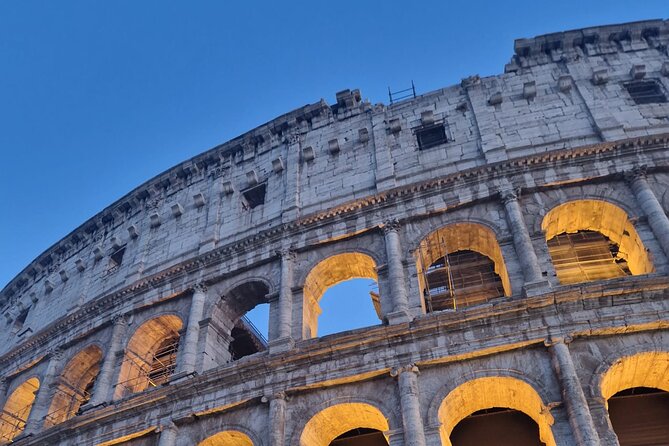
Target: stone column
188 345
600 416
40 408
104 382
521 238
657 218
396 280
573 397
3 392
284 339
407 378
277 418
168 435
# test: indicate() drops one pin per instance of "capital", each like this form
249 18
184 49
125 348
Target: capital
56 353
397 371
286 253
508 195
199 287
119 319
553 340
635 173
391 225
274 396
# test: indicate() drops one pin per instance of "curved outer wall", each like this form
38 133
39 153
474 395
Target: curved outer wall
557 126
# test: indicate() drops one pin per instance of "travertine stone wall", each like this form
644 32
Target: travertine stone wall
349 194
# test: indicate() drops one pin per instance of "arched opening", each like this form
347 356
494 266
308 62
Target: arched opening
339 299
593 240
150 357
461 265
75 385
232 335
227 438
499 426
490 405
636 389
16 410
334 271
346 424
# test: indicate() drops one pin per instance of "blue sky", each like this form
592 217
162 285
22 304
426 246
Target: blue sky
97 97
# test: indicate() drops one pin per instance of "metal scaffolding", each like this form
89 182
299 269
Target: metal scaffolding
458 279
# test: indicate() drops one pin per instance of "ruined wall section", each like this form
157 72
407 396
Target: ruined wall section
560 91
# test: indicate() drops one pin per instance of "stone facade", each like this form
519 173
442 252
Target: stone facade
249 222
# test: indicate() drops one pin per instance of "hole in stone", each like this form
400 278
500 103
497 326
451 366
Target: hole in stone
647 91
431 136
254 196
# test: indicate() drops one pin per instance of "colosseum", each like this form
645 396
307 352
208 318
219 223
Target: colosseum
516 227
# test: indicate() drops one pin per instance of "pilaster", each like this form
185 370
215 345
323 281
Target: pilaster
396 279
647 200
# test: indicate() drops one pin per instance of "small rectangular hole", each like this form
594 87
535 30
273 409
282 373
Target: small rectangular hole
646 92
255 196
431 136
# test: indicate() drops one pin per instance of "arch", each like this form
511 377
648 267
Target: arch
150 355
647 369
588 216
635 390
329 272
491 392
228 334
457 241
333 421
17 408
227 438
74 386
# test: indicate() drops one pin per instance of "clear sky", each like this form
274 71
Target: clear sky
97 97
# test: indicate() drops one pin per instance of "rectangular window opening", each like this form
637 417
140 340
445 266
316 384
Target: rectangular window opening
116 258
254 196
431 136
647 91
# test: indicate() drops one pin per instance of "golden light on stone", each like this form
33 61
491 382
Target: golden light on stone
335 420
17 408
606 219
489 392
650 369
227 438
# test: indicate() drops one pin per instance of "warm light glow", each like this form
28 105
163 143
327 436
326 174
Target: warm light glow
455 240
606 219
330 272
16 410
650 369
489 392
73 388
333 421
227 438
140 353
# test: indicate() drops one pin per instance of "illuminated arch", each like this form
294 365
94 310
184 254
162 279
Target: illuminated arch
336 420
460 238
227 438
648 369
150 355
16 410
330 272
74 386
487 393
601 217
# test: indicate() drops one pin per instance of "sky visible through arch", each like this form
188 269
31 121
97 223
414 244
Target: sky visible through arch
97 97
